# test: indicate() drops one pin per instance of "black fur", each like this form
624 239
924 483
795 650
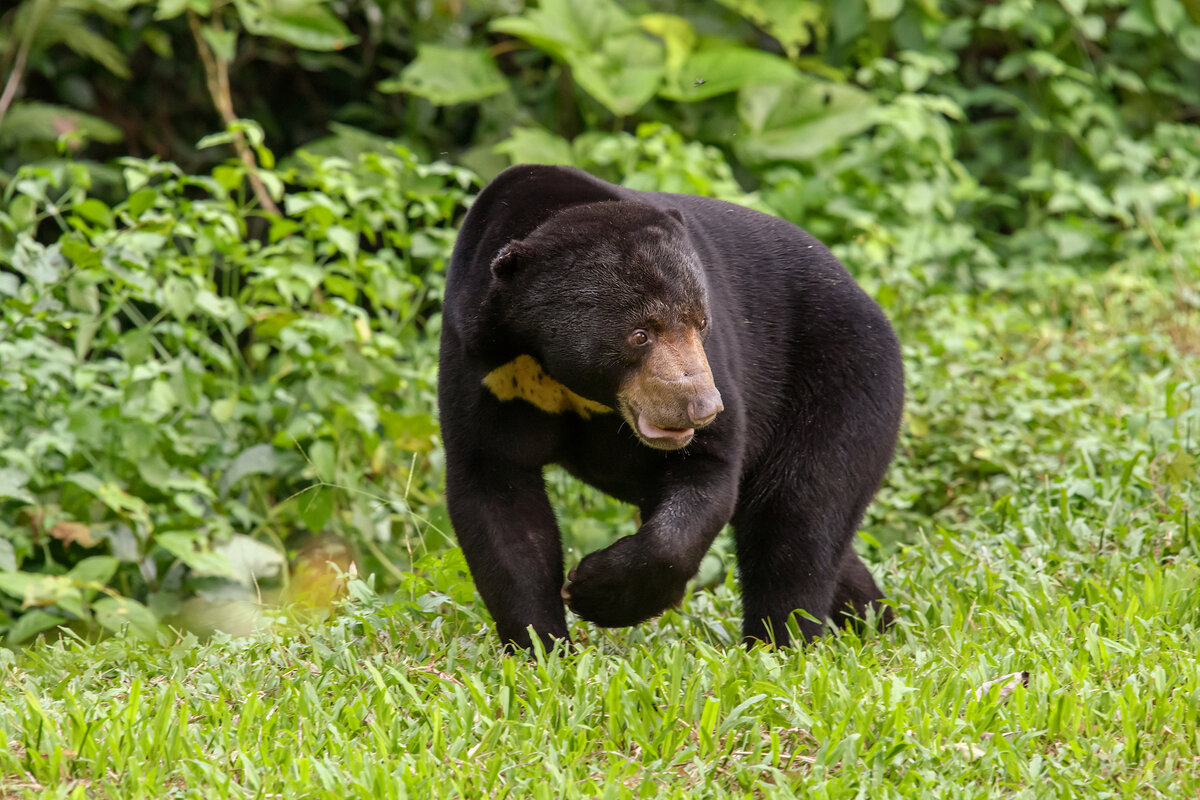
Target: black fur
556 264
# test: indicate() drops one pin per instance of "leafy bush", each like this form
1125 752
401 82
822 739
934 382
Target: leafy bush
184 377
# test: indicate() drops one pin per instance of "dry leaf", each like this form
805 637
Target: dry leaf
75 532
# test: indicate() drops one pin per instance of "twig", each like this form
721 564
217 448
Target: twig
18 70
216 73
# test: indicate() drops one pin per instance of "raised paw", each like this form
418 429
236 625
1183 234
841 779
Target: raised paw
622 585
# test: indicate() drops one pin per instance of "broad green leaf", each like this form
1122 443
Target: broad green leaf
122 502
23 210
159 42
1071 243
100 49
43 590
536 146
708 73
184 546
1094 27
623 75
25 586
1169 14
116 613
677 34
566 27
86 481
1189 41
795 23
610 56
222 42
94 569
1138 19
29 121
259 459
345 240
249 559
415 433
83 295
447 76
95 211
324 459
884 9
32 623
221 308
315 508
798 121
310 26
169 9
214 139
180 296
111 495
12 484
1181 469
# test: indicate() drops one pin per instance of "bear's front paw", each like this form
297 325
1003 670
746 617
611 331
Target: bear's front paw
621 585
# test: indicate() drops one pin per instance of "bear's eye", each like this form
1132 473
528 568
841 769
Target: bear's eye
703 323
639 337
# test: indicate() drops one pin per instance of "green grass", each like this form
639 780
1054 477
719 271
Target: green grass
1040 517
388 702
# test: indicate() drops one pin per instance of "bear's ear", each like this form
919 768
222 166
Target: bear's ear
509 258
675 214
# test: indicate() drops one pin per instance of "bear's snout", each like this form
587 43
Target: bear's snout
673 393
704 408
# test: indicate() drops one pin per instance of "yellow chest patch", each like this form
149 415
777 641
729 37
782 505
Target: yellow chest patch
523 378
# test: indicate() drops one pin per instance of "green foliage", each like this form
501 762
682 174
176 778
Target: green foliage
181 374
446 76
655 159
610 57
798 120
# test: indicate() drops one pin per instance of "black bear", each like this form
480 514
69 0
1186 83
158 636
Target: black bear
702 361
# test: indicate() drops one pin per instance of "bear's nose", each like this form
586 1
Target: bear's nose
704 408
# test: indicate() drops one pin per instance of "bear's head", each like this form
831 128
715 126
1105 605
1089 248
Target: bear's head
610 297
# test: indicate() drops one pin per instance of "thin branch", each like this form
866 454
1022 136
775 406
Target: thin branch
18 70
216 75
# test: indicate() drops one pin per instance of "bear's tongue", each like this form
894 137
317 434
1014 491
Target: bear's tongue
652 431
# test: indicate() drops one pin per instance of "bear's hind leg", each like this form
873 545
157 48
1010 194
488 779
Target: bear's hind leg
787 562
795 526
856 592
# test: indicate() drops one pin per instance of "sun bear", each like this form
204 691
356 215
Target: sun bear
704 362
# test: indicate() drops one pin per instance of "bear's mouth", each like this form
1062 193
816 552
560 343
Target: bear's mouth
651 431
658 437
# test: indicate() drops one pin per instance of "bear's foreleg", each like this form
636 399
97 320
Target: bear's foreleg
508 533
640 576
